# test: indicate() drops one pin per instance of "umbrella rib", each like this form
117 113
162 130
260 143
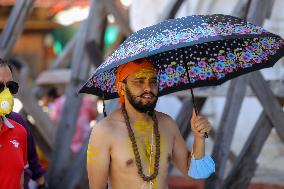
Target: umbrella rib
104 106
193 100
192 95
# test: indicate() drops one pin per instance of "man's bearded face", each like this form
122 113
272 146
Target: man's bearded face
141 90
137 101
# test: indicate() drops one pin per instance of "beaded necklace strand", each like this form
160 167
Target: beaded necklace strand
135 147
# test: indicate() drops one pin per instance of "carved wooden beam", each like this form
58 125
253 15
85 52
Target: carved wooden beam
115 8
271 106
257 14
276 86
11 32
64 58
245 165
172 9
15 25
45 129
90 30
76 169
225 133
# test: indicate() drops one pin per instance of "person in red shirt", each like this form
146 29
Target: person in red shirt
13 154
13 137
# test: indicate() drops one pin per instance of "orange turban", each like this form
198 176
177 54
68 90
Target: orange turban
123 71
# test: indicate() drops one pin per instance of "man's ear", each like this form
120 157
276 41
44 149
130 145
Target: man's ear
121 86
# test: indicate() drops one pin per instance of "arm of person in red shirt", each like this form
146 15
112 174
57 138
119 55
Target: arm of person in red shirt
37 171
25 154
22 180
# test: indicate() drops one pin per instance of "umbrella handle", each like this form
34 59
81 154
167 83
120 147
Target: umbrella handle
195 108
104 106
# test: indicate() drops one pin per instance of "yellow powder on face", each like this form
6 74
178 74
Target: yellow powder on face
92 152
145 73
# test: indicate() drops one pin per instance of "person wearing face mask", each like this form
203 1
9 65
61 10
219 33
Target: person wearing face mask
35 171
13 137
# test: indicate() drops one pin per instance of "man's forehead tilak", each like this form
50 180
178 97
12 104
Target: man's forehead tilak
145 73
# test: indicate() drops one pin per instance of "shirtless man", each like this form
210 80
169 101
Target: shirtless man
133 147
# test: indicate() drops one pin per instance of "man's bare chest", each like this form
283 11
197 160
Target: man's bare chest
123 155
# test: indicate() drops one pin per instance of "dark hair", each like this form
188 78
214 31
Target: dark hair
53 92
4 62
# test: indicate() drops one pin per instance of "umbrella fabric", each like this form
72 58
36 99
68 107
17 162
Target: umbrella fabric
189 52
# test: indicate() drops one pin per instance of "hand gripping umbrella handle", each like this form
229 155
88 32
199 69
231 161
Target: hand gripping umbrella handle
195 108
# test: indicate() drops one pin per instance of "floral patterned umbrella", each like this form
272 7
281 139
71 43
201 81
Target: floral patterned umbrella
193 51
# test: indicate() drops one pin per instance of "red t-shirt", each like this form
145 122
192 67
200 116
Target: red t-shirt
13 154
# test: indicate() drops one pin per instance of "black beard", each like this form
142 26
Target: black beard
138 105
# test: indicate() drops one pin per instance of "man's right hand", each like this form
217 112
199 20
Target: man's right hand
199 125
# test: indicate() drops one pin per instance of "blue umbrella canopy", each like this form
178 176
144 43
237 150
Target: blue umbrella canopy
193 51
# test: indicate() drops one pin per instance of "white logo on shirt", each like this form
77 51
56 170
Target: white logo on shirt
15 143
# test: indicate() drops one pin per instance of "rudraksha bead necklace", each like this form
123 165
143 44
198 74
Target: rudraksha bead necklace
135 147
